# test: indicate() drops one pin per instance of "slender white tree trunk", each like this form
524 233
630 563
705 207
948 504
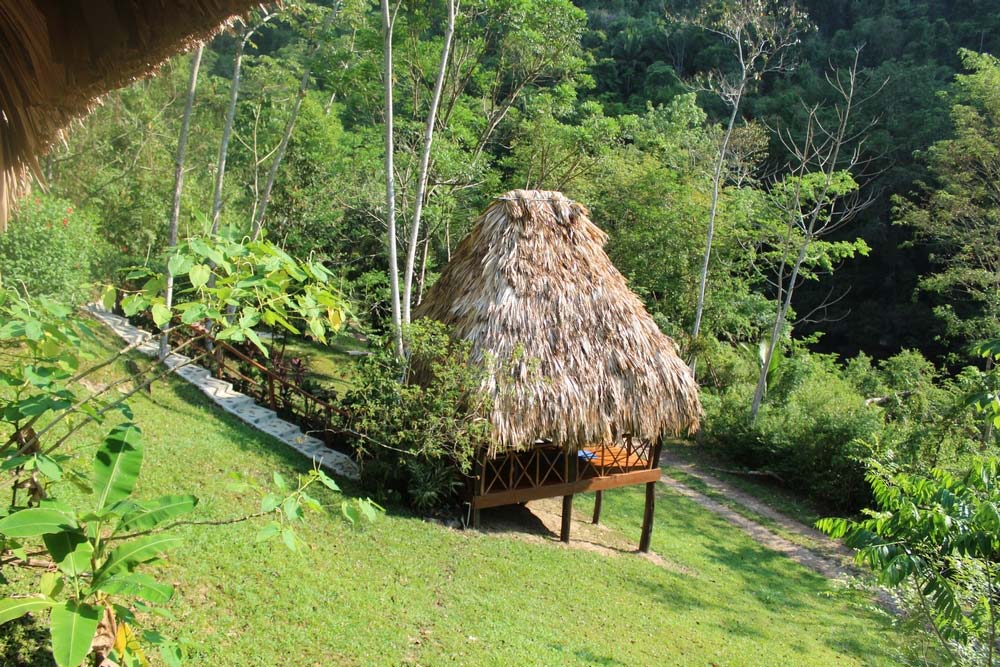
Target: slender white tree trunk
712 214
272 174
258 223
418 204
423 270
227 129
390 189
175 211
779 324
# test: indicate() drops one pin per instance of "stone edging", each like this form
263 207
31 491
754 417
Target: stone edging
232 401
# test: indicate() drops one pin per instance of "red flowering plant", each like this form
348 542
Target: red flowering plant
50 249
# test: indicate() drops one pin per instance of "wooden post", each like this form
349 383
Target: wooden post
478 484
572 458
567 517
270 391
647 517
598 496
327 432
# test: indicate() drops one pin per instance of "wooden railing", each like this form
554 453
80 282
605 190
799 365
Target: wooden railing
314 415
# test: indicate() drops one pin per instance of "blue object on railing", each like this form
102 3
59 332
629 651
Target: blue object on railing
586 454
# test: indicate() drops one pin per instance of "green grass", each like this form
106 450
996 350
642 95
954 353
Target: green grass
768 492
409 592
330 364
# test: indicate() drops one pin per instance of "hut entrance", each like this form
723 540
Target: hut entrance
547 471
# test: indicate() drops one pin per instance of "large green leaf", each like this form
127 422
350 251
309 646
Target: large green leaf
153 514
73 628
178 265
71 551
116 466
134 584
137 551
161 314
35 521
199 275
12 608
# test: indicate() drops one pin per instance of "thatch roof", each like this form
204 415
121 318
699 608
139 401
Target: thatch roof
532 276
58 57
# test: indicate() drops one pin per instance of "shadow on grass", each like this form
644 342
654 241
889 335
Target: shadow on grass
514 518
193 404
586 656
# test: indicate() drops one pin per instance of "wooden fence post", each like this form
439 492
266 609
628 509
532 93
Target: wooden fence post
572 469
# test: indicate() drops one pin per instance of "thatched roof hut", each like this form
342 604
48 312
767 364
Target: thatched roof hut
57 58
532 283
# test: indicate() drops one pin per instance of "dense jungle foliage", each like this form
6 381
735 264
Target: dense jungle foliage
864 351
805 195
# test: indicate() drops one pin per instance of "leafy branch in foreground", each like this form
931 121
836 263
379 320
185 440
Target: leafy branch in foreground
90 550
936 537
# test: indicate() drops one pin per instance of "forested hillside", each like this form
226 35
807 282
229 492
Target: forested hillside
912 48
840 158
541 94
805 197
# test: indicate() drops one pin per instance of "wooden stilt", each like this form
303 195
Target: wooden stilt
567 517
597 507
478 483
647 517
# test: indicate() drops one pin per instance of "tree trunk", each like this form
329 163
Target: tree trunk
258 223
712 214
390 190
423 270
227 128
418 204
988 429
779 323
175 211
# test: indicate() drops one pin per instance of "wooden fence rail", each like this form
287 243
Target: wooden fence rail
314 415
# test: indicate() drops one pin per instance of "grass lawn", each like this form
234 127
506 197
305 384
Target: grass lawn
329 364
409 592
767 491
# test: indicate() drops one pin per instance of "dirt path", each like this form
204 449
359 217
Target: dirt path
830 559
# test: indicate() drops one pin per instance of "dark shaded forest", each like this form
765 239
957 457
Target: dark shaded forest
911 47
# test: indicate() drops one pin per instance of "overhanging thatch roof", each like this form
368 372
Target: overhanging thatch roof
58 57
532 276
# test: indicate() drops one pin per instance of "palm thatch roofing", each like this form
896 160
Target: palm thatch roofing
580 360
58 57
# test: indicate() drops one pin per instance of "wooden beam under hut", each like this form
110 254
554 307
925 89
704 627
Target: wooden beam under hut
547 471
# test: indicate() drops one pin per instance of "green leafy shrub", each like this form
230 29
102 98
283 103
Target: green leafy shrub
811 431
935 538
929 423
416 439
49 249
83 556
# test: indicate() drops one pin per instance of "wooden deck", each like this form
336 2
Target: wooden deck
548 471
